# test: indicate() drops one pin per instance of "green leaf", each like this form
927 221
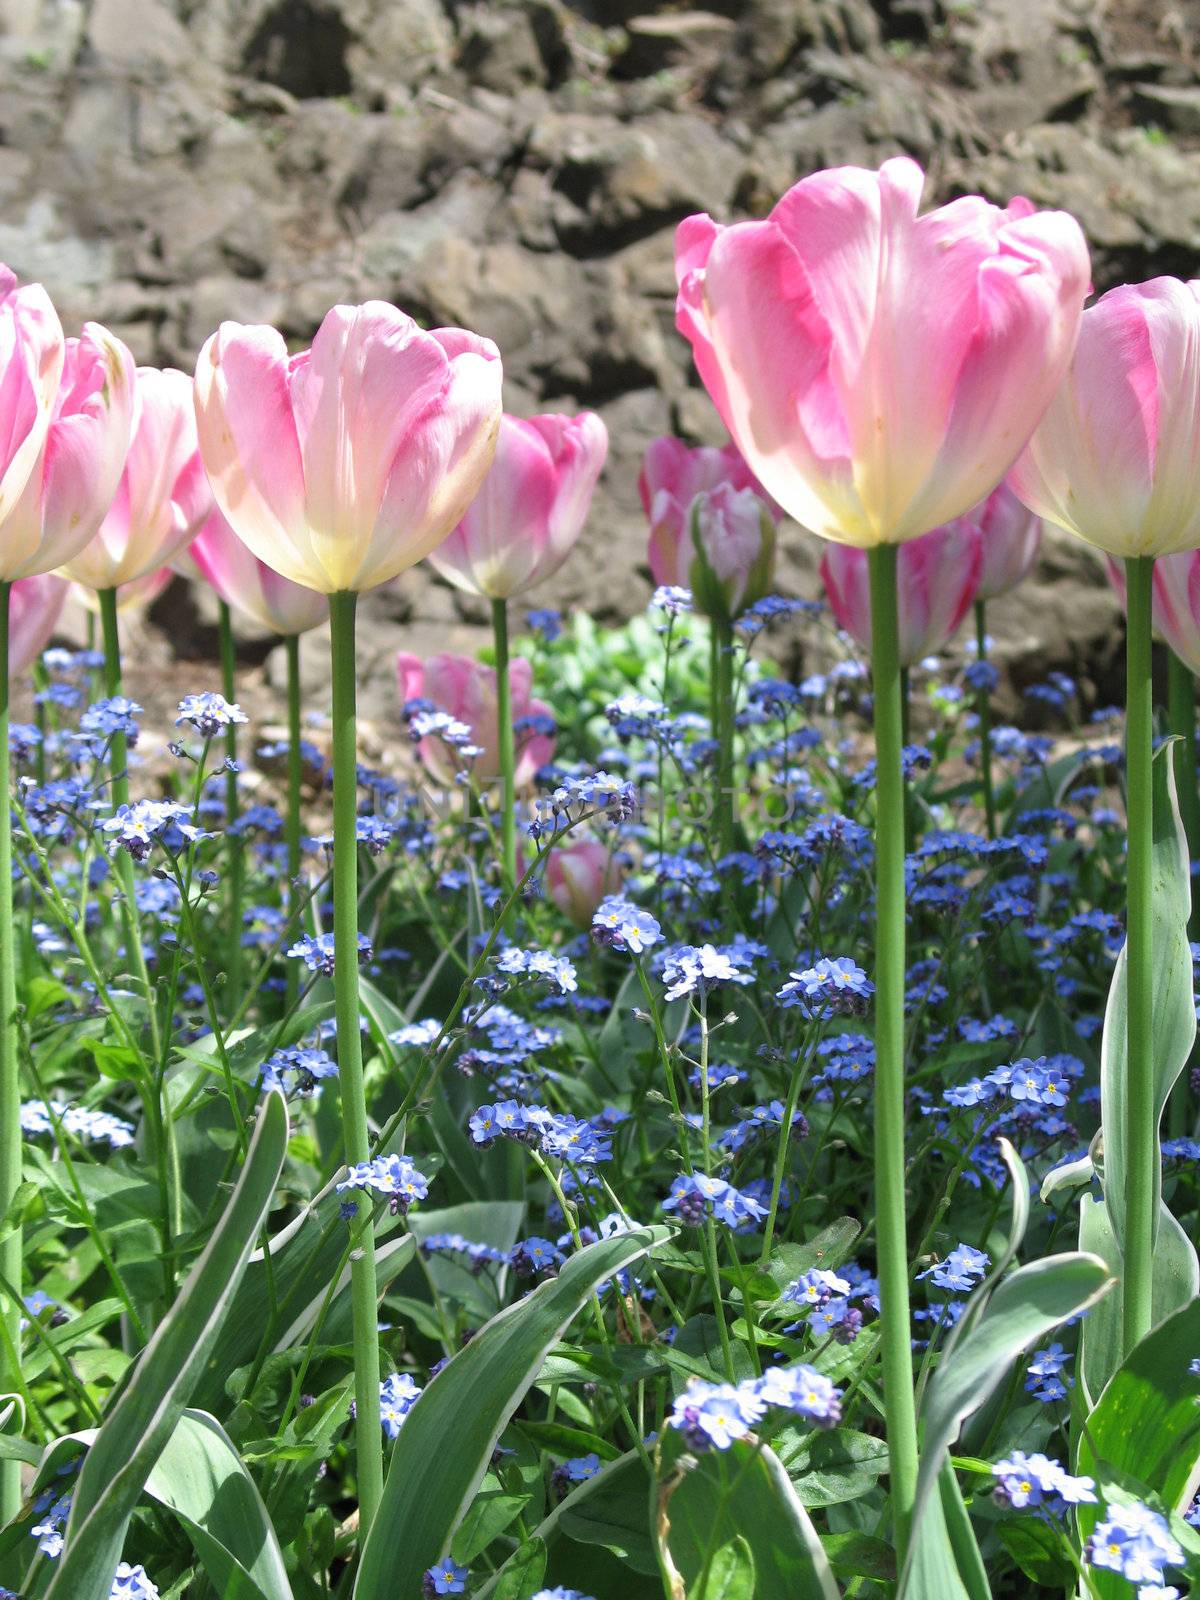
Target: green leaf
828 1249
731 1575
523 1572
1020 1309
944 1557
860 1555
741 1491
136 1430
201 1478
1146 1424
448 1437
1037 1549
831 1468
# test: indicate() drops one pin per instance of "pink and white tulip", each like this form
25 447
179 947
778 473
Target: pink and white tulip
345 465
466 690
250 585
672 475
579 874
34 607
1012 537
32 351
733 550
75 478
881 371
1116 458
1176 601
162 498
531 508
937 578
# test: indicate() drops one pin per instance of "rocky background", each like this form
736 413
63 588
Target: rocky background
518 167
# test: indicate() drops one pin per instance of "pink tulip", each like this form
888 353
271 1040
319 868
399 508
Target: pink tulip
163 496
1176 601
733 550
75 478
34 607
466 690
579 874
249 585
672 475
344 465
881 371
31 364
1012 537
937 577
1116 458
529 512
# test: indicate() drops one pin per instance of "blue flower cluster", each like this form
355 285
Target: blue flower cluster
393 1177
695 1197
556 1134
711 1416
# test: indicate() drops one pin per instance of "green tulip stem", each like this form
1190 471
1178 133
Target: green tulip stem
983 708
233 842
295 775
1143 1154
364 1297
10 1070
508 754
723 700
889 1153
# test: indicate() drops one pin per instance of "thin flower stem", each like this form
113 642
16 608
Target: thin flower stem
1142 1157
295 775
363 1288
799 1074
10 1061
889 1152
723 699
123 861
983 706
233 843
504 732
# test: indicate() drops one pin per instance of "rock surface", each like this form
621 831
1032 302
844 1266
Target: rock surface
519 167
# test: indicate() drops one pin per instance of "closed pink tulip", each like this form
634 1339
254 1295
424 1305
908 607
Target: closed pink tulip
31 363
34 607
344 465
672 475
531 507
163 496
81 460
579 874
878 370
249 585
1116 458
733 550
1012 537
466 690
937 578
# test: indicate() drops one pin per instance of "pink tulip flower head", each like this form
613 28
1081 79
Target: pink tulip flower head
1176 601
464 690
250 586
74 481
733 550
531 507
1012 537
34 607
31 363
879 370
1116 458
162 497
937 577
579 874
345 465
672 475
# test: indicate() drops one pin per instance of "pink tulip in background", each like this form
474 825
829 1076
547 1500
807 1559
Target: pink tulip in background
1116 458
878 370
531 508
1176 601
162 497
344 465
34 607
579 873
466 690
250 586
79 467
937 578
1012 537
672 475
733 550
31 364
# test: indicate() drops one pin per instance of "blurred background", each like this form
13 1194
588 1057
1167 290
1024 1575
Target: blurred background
518 167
